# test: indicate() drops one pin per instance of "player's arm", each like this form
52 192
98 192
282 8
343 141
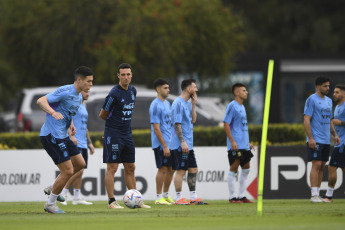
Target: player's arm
194 100
307 127
338 122
72 137
43 103
104 114
178 130
334 133
89 143
231 138
158 132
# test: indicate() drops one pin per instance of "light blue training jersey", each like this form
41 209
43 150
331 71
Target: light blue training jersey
160 114
320 110
339 113
236 117
80 123
66 101
181 112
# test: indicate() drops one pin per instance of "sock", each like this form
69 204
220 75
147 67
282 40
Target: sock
231 183
193 195
314 191
329 192
178 195
243 182
318 191
165 194
52 198
111 200
64 191
76 194
159 196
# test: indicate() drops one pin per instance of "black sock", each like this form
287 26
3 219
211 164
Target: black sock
111 200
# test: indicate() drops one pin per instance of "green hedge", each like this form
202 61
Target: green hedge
203 136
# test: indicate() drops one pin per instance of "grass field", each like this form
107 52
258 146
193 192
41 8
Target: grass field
277 214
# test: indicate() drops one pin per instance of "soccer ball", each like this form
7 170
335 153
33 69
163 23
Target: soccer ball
132 198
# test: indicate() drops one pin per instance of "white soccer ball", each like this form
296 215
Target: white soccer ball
132 198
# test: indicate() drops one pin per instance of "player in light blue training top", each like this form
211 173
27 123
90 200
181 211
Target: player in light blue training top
318 125
183 115
338 155
239 154
161 127
60 106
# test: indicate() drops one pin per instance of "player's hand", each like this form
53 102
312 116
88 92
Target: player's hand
234 146
194 98
92 148
72 130
184 147
312 144
74 140
251 147
337 140
166 151
57 115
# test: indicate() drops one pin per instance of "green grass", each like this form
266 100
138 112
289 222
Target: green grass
277 214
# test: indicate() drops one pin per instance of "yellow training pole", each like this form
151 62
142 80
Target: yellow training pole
264 135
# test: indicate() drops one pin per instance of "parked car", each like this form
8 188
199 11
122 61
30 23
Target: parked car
31 118
8 121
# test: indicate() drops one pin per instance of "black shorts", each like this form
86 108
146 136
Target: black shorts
183 161
60 150
117 148
320 154
83 152
338 158
243 155
161 160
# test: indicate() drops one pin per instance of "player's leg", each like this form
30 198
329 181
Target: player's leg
130 175
160 176
109 185
234 163
180 200
167 183
316 163
245 165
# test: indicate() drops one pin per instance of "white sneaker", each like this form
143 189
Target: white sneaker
65 199
81 201
316 199
142 205
114 205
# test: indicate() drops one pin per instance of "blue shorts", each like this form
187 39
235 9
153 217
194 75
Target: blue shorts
161 160
60 150
83 152
338 158
320 154
183 161
117 148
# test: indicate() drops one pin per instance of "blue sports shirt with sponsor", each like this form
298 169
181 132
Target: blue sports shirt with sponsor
120 104
80 123
236 117
339 113
181 112
66 101
160 114
320 110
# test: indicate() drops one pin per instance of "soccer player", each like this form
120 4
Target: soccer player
239 149
83 141
60 106
183 117
318 125
338 155
118 146
160 119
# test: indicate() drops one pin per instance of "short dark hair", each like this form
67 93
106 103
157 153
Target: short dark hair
237 85
187 82
82 72
124 66
340 86
159 82
321 79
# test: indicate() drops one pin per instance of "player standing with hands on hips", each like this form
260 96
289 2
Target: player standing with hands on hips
318 126
239 154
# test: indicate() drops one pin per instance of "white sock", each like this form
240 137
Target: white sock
231 183
159 196
314 191
193 195
165 194
178 195
243 183
329 192
77 195
52 198
318 191
64 191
